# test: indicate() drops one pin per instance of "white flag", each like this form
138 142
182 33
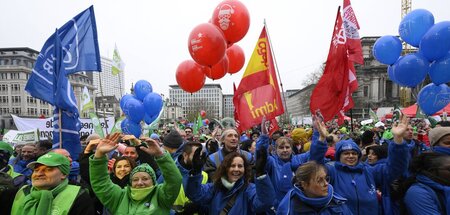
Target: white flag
86 102
117 64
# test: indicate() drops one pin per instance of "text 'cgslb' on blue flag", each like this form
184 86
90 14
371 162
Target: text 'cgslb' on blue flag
81 53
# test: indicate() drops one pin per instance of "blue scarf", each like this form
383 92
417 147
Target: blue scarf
315 202
443 150
436 186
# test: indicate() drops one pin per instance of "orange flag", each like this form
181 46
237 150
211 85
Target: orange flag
258 93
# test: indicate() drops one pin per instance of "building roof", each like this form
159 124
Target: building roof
302 90
26 49
204 86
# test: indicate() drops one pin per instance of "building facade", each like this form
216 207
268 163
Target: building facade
228 106
298 102
209 99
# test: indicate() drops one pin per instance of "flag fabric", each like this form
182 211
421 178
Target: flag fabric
86 102
351 27
117 126
197 125
71 125
332 95
97 126
373 115
80 45
258 93
117 64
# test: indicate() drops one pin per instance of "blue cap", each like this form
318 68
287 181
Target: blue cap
345 145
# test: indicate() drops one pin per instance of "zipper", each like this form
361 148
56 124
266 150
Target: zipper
356 190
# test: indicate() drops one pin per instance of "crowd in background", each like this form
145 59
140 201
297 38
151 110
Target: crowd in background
402 167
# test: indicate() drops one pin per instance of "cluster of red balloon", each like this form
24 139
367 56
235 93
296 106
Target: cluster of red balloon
212 46
433 58
143 105
203 115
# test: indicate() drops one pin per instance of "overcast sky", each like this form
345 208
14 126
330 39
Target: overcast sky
152 35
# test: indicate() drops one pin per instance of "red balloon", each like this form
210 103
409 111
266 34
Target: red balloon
207 121
206 44
236 59
190 76
219 70
203 113
232 17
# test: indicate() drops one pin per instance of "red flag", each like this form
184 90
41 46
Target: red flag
351 32
331 94
258 93
236 118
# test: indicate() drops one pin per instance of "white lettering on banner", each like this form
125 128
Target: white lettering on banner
45 126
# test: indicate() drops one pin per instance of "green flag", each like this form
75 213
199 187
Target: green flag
373 115
86 102
117 126
117 64
97 126
198 124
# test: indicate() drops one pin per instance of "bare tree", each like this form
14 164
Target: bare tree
195 105
313 77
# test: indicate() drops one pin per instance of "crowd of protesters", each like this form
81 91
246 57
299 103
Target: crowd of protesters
401 167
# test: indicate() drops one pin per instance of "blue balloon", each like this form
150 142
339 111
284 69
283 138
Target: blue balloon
387 49
149 119
414 25
391 74
153 104
129 127
433 98
124 99
440 70
411 70
134 109
435 44
142 88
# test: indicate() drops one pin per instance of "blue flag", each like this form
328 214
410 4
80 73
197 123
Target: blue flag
71 125
81 53
63 95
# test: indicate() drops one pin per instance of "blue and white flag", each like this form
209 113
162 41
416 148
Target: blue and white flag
63 95
81 53
71 126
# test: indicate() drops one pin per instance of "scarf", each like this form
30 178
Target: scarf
443 150
39 202
227 184
437 186
315 202
138 194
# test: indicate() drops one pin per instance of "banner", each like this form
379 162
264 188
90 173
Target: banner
45 126
117 64
258 93
97 127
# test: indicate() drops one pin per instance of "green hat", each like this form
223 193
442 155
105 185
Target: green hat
144 168
54 160
6 147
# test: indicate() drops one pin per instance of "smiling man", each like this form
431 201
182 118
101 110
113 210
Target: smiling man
50 191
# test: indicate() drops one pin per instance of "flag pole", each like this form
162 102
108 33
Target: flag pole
60 128
101 93
276 68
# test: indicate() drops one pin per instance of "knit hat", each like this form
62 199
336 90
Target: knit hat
437 133
173 140
345 145
144 168
6 147
54 160
367 137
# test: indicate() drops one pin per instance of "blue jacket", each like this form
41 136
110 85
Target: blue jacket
358 183
293 205
255 198
427 197
21 167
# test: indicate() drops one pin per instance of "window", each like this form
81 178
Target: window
31 100
15 87
15 99
4 76
366 91
3 88
4 99
32 111
14 75
4 110
16 111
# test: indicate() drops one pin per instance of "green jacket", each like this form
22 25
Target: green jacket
118 200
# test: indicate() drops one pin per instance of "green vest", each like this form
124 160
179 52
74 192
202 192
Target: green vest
61 203
12 173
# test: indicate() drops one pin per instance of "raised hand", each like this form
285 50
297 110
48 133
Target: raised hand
321 128
198 160
265 126
152 148
399 129
107 145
